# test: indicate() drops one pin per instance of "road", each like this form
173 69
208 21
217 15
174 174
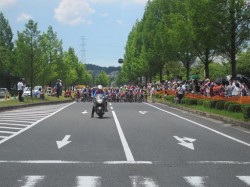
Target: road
133 145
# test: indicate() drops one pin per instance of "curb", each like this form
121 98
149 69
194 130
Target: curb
232 121
7 108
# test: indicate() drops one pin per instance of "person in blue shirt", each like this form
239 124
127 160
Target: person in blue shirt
100 91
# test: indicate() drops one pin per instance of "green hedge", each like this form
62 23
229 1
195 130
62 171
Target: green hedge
234 107
200 101
220 105
191 101
226 105
209 103
246 111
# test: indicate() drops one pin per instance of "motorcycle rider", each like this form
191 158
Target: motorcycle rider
100 91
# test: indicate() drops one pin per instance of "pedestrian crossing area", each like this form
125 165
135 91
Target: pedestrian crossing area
133 181
17 121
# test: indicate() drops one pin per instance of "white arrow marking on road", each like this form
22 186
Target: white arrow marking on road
143 112
196 181
183 142
245 179
84 112
64 142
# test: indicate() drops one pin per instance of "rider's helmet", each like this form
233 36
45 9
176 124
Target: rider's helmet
99 87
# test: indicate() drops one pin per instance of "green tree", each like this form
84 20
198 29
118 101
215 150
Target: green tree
28 53
103 79
233 22
6 48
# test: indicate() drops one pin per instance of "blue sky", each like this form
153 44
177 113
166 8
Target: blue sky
96 29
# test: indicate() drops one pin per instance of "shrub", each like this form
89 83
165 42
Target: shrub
169 98
191 101
200 102
220 105
246 111
209 103
158 95
184 100
226 105
234 107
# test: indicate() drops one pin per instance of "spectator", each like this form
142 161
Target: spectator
58 87
20 90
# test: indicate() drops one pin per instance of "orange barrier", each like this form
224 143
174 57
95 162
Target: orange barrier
236 99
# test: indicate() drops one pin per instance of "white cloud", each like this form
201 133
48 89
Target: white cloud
73 12
24 17
105 14
5 3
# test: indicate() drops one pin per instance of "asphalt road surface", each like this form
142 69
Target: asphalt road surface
133 145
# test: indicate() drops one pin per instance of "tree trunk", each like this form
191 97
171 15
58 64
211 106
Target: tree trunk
206 64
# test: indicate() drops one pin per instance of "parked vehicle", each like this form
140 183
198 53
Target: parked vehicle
27 91
4 92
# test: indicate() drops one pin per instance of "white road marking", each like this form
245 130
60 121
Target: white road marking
245 179
15 128
75 162
88 181
33 123
139 181
110 104
215 131
125 145
31 181
195 181
14 124
111 108
7 132
220 162
17 121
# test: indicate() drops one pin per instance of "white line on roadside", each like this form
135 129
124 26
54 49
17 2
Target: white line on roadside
33 124
215 131
75 162
220 162
125 145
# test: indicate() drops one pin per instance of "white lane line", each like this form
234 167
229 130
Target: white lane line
3 136
195 181
245 179
7 132
110 104
111 108
15 128
125 145
139 181
220 162
14 124
33 124
16 121
88 181
32 180
215 131
74 162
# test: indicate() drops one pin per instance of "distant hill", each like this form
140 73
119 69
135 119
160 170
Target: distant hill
97 69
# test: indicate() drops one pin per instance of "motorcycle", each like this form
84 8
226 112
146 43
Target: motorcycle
99 105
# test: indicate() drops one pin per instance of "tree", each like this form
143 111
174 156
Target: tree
51 48
233 22
102 79
6 50
28 53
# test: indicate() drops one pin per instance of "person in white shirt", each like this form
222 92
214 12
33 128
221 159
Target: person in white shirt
20 90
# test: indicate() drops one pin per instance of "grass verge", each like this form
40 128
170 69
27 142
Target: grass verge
234 115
